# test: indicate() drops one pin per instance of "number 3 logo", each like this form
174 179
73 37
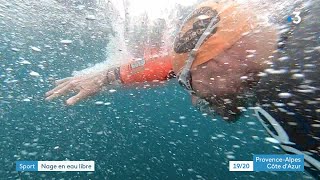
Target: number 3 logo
297 18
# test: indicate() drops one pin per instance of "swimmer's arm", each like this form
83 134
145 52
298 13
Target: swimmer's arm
83 86
90 84
153 69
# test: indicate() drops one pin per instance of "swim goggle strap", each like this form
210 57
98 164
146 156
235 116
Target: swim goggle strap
185 75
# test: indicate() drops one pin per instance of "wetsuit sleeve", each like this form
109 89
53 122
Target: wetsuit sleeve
147 70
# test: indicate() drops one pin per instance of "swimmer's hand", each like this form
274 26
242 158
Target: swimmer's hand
84 85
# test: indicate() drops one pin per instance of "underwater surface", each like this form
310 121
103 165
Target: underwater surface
134 133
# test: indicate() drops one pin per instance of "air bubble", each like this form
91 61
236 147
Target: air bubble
35 49
35 74
272 140
285 95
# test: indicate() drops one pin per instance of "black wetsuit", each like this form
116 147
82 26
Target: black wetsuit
290 93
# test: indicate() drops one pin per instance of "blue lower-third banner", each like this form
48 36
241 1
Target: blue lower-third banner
264 162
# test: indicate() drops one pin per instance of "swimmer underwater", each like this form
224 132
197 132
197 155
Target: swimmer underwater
223 55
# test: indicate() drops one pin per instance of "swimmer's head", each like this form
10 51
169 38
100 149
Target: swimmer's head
229 22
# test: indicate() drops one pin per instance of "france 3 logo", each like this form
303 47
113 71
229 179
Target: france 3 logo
295 18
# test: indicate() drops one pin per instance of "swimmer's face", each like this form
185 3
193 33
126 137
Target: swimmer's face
220 81
234 71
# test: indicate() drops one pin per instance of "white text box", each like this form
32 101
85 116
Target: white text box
240 165
65 165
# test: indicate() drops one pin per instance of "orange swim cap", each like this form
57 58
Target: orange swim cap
232 22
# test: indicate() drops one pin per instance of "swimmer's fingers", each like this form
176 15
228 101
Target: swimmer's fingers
74 99
59 91
60 81
49 93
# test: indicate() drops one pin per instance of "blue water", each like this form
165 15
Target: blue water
150 133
